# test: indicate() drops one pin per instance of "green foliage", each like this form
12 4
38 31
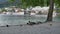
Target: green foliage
58 11
3 10
48 2
57 2
33 2
28 3
11 1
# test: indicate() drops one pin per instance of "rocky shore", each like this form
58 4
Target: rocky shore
45 28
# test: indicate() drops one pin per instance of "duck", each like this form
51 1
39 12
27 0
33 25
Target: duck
31 23
7 25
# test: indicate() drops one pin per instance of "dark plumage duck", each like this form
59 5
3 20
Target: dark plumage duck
39 22
7 25
31 23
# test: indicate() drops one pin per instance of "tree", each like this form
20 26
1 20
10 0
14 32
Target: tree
50 13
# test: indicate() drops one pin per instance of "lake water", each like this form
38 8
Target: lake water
20 19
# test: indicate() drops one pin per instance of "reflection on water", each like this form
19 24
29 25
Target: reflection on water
19 19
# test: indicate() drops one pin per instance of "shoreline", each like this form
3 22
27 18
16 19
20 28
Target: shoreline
44 28
30 25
